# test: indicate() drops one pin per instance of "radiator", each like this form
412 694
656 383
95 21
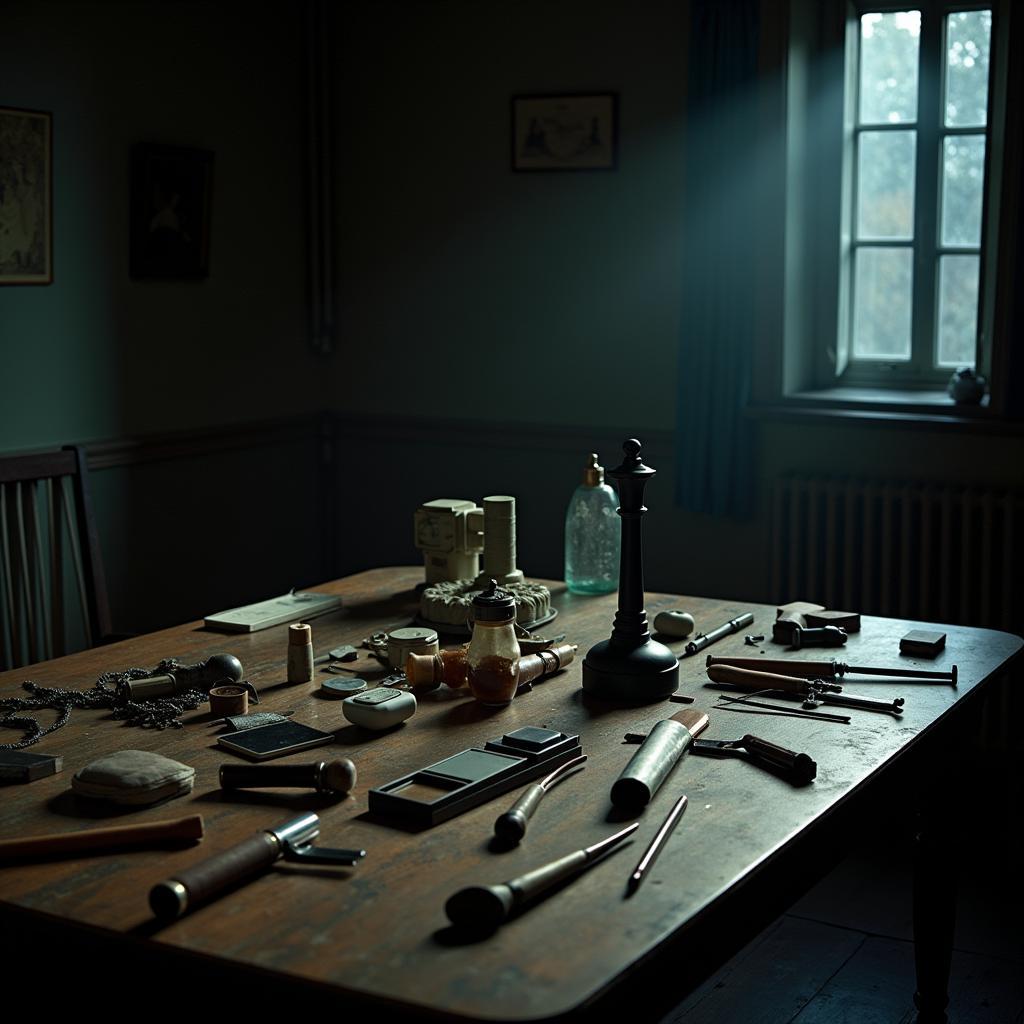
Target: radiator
925 551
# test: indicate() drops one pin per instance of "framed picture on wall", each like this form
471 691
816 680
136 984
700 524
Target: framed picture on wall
26 196
570 132
170 212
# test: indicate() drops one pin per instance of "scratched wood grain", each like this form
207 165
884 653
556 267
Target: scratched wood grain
379 929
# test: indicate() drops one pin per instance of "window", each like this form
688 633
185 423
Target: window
893 159
920 97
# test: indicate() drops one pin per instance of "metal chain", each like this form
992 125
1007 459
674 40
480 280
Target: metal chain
109 692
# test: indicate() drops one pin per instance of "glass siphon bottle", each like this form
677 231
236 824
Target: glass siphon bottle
493 653
592 535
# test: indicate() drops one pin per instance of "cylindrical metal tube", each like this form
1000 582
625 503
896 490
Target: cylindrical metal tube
649 766
151 687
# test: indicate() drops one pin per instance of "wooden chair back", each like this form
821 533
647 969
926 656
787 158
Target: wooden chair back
53 593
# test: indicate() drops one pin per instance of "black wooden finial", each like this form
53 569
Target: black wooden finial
630 666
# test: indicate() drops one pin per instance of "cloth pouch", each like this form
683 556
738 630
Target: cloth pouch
136 777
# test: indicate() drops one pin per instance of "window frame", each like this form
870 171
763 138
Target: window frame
920 370
820 123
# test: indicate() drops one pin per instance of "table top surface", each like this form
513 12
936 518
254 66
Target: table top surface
379 929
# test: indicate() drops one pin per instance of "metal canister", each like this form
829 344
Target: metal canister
410 640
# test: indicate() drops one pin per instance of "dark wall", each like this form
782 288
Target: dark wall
98 357
494 327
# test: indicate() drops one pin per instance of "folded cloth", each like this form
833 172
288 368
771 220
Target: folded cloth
134 777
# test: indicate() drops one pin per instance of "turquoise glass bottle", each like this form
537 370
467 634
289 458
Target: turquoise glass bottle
592 535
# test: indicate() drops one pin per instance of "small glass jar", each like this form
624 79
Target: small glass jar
493 654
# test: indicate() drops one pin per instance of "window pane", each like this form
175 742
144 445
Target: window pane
958 310
883 279
963 181
888 67
967 46
885 185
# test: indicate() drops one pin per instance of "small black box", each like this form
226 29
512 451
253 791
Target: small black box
17 766
922 642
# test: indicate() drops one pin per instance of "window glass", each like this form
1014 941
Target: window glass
968 34
888 67
883 284
958 310
963 184
885 184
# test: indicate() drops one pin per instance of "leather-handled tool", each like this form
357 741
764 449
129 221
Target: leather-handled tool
200 883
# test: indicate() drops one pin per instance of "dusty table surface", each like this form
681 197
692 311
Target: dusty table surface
379 929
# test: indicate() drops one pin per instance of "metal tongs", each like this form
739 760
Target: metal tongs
796 768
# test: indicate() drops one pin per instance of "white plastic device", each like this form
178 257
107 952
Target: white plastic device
380 708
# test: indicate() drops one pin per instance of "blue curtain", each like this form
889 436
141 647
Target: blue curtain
714 443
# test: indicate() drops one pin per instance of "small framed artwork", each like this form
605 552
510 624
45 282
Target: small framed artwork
170 212
26 196
571 132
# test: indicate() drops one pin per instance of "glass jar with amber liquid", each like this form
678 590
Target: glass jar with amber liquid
493 654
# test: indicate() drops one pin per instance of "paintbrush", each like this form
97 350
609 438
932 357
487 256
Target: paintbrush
649 766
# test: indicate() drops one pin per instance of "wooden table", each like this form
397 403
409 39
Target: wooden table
375 936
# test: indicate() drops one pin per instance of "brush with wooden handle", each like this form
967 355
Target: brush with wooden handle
105 840
649 766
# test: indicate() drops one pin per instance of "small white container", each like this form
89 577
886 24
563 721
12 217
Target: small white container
380 708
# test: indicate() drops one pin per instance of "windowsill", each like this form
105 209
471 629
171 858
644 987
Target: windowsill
887 406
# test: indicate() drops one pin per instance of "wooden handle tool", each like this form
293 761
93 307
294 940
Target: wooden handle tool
750 679
120 837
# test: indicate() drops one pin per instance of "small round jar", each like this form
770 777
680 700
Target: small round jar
229 699
411 640
493 653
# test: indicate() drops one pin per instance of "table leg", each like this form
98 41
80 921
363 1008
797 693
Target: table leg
935 893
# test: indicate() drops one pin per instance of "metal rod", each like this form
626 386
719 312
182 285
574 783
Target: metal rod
780 709
698 643
814 669
652 851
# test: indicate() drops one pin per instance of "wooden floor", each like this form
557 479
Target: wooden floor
844 955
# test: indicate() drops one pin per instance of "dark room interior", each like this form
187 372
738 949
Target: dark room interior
391 300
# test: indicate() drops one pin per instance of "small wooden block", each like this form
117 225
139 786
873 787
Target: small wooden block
923 642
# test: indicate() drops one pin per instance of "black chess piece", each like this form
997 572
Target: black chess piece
630 667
